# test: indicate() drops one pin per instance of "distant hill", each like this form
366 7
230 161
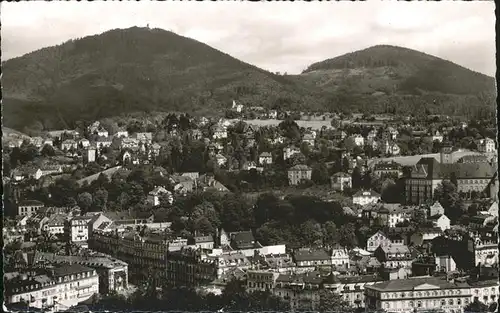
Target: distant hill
135 69
396 70
142 69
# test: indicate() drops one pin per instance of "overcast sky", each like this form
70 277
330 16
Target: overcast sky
284 37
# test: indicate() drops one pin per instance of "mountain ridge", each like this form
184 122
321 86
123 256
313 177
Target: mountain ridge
142 69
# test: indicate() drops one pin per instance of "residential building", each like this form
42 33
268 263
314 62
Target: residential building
364 197
90 154
77 229
129 143
145 138
376 240
288 152
392 169
308 138
394 256
425 235
55 288
69 144
485 251
299 173
156 194
340 181
486 145
219 132
113 273
358 140
203 242
265 158
261 280
485 291
29 207
422 293
436 209
55 225
122 133
307 259
440 221
445 263
103 142
84 142
389 148
190 267
301 290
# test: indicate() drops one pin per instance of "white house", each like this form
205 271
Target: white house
486 145
358 140
155 194
364 197
129 143
104 142
237 107
390 147
219 132
68 144
48 141
441 221
340 181
265 158
121 134
288 152
77 229
340 257
84 142
445 263
101 132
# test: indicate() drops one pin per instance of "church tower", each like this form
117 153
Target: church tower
446 156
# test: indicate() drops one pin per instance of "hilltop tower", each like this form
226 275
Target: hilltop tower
446 154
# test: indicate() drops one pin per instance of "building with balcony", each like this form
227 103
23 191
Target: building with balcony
418 294
56 288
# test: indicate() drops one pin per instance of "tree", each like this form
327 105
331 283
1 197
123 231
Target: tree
347 236
311 233
48 151
100 200
330 301
357 181
330 233
84 201
319 174
446 193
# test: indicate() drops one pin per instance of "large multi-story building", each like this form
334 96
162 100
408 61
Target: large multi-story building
190 267
140 252
58 288
77 229
113 273
299 173
427 174
417 294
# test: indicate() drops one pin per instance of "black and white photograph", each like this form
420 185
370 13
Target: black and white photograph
249 156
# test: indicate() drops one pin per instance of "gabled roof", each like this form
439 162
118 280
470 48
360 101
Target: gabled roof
300 167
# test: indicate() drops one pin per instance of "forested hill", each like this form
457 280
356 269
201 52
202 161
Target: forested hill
135 69
400 70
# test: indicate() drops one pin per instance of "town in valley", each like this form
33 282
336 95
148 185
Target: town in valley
349 215
147 171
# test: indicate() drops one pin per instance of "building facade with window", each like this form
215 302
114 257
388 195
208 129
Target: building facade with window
418 294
